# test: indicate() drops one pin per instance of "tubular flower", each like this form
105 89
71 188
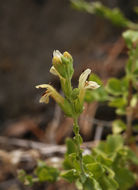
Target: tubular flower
62 102
50 92
84 84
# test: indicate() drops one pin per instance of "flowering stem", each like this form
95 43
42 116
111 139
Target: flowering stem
129 115
79 151
69 88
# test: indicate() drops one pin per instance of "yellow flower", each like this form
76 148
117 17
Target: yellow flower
84 84
50 92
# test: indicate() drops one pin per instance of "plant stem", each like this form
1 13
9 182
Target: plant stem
129 115
79 151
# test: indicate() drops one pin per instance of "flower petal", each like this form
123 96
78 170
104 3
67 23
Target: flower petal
57 53
83 78
51 91
43 86
55 72
91 85
45 98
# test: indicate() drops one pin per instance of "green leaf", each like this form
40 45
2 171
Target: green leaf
121 111
114 15
124 84
129 66
135 72
130 37
99 94
102 157
78 139
46 173
96 169
134 100
102 146
118 126
91 184
109 172
75 93
114 86
67 108
78 184
70 175
95 78
28 180
114 142
132 156
21 175
87 159
108 183
71 162
118 102
70 145
67 163
125 178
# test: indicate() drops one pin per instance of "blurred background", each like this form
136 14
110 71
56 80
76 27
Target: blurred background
29 32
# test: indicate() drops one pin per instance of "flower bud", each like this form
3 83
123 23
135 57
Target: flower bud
67 55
